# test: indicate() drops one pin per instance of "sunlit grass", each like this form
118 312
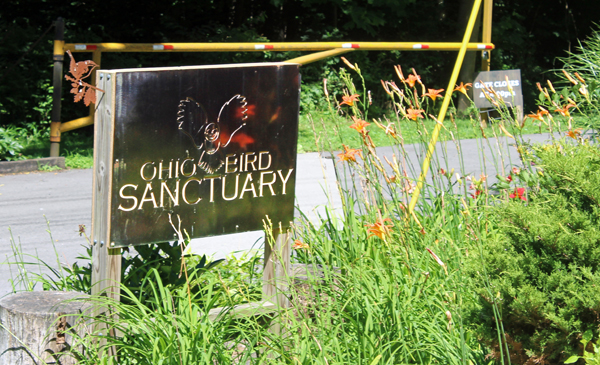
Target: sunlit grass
320 130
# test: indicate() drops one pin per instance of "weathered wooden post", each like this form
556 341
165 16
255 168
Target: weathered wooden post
212 145
38 326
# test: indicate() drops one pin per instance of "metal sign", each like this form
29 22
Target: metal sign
215 145
499 81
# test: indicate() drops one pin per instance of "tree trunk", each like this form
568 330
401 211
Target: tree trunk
38 327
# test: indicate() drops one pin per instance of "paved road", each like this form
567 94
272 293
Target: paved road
33 205
44 207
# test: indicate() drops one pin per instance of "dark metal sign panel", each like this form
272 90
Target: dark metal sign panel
497 80
214 145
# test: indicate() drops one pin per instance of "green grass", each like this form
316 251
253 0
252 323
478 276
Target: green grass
320 130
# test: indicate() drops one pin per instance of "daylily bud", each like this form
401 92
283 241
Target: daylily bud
579 78
384 84
399 72
348 63
543 91
539 87
573 81
510 89
551 87
505 131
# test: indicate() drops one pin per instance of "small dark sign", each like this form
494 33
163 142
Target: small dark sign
215 145
497 80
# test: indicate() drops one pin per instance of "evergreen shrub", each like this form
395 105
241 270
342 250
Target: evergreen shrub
543 264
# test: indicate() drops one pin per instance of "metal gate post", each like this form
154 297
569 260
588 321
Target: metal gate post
488 6
59 57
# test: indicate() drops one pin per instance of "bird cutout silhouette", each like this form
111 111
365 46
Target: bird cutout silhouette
210 136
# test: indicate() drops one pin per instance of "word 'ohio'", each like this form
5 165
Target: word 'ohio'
174 182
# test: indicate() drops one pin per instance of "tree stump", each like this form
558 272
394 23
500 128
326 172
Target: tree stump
37 327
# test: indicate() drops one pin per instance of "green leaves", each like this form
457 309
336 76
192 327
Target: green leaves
10 143
545 264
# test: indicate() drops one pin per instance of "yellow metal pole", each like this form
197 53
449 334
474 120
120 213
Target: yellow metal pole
329 49
488 6
276 46
77 123
313 57
444 109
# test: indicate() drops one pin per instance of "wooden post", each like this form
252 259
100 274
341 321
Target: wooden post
277 265
276 271
106 269
106 261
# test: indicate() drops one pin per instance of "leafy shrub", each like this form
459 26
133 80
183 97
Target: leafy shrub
543 265
10 146
590 357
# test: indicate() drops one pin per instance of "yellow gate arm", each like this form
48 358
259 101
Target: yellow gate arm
444 109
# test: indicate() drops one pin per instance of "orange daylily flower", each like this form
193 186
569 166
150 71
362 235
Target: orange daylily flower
413 113
539 115
575 133
349 154
299 245
359 125
462 88
433 93
565 111
349 99
411 79
380 228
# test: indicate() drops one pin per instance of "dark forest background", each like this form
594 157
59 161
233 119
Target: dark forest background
528 34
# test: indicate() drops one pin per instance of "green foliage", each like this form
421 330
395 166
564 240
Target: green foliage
589 357
166 260
78 161
390 298
543 263
586 62
170 327
48 168
10 146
